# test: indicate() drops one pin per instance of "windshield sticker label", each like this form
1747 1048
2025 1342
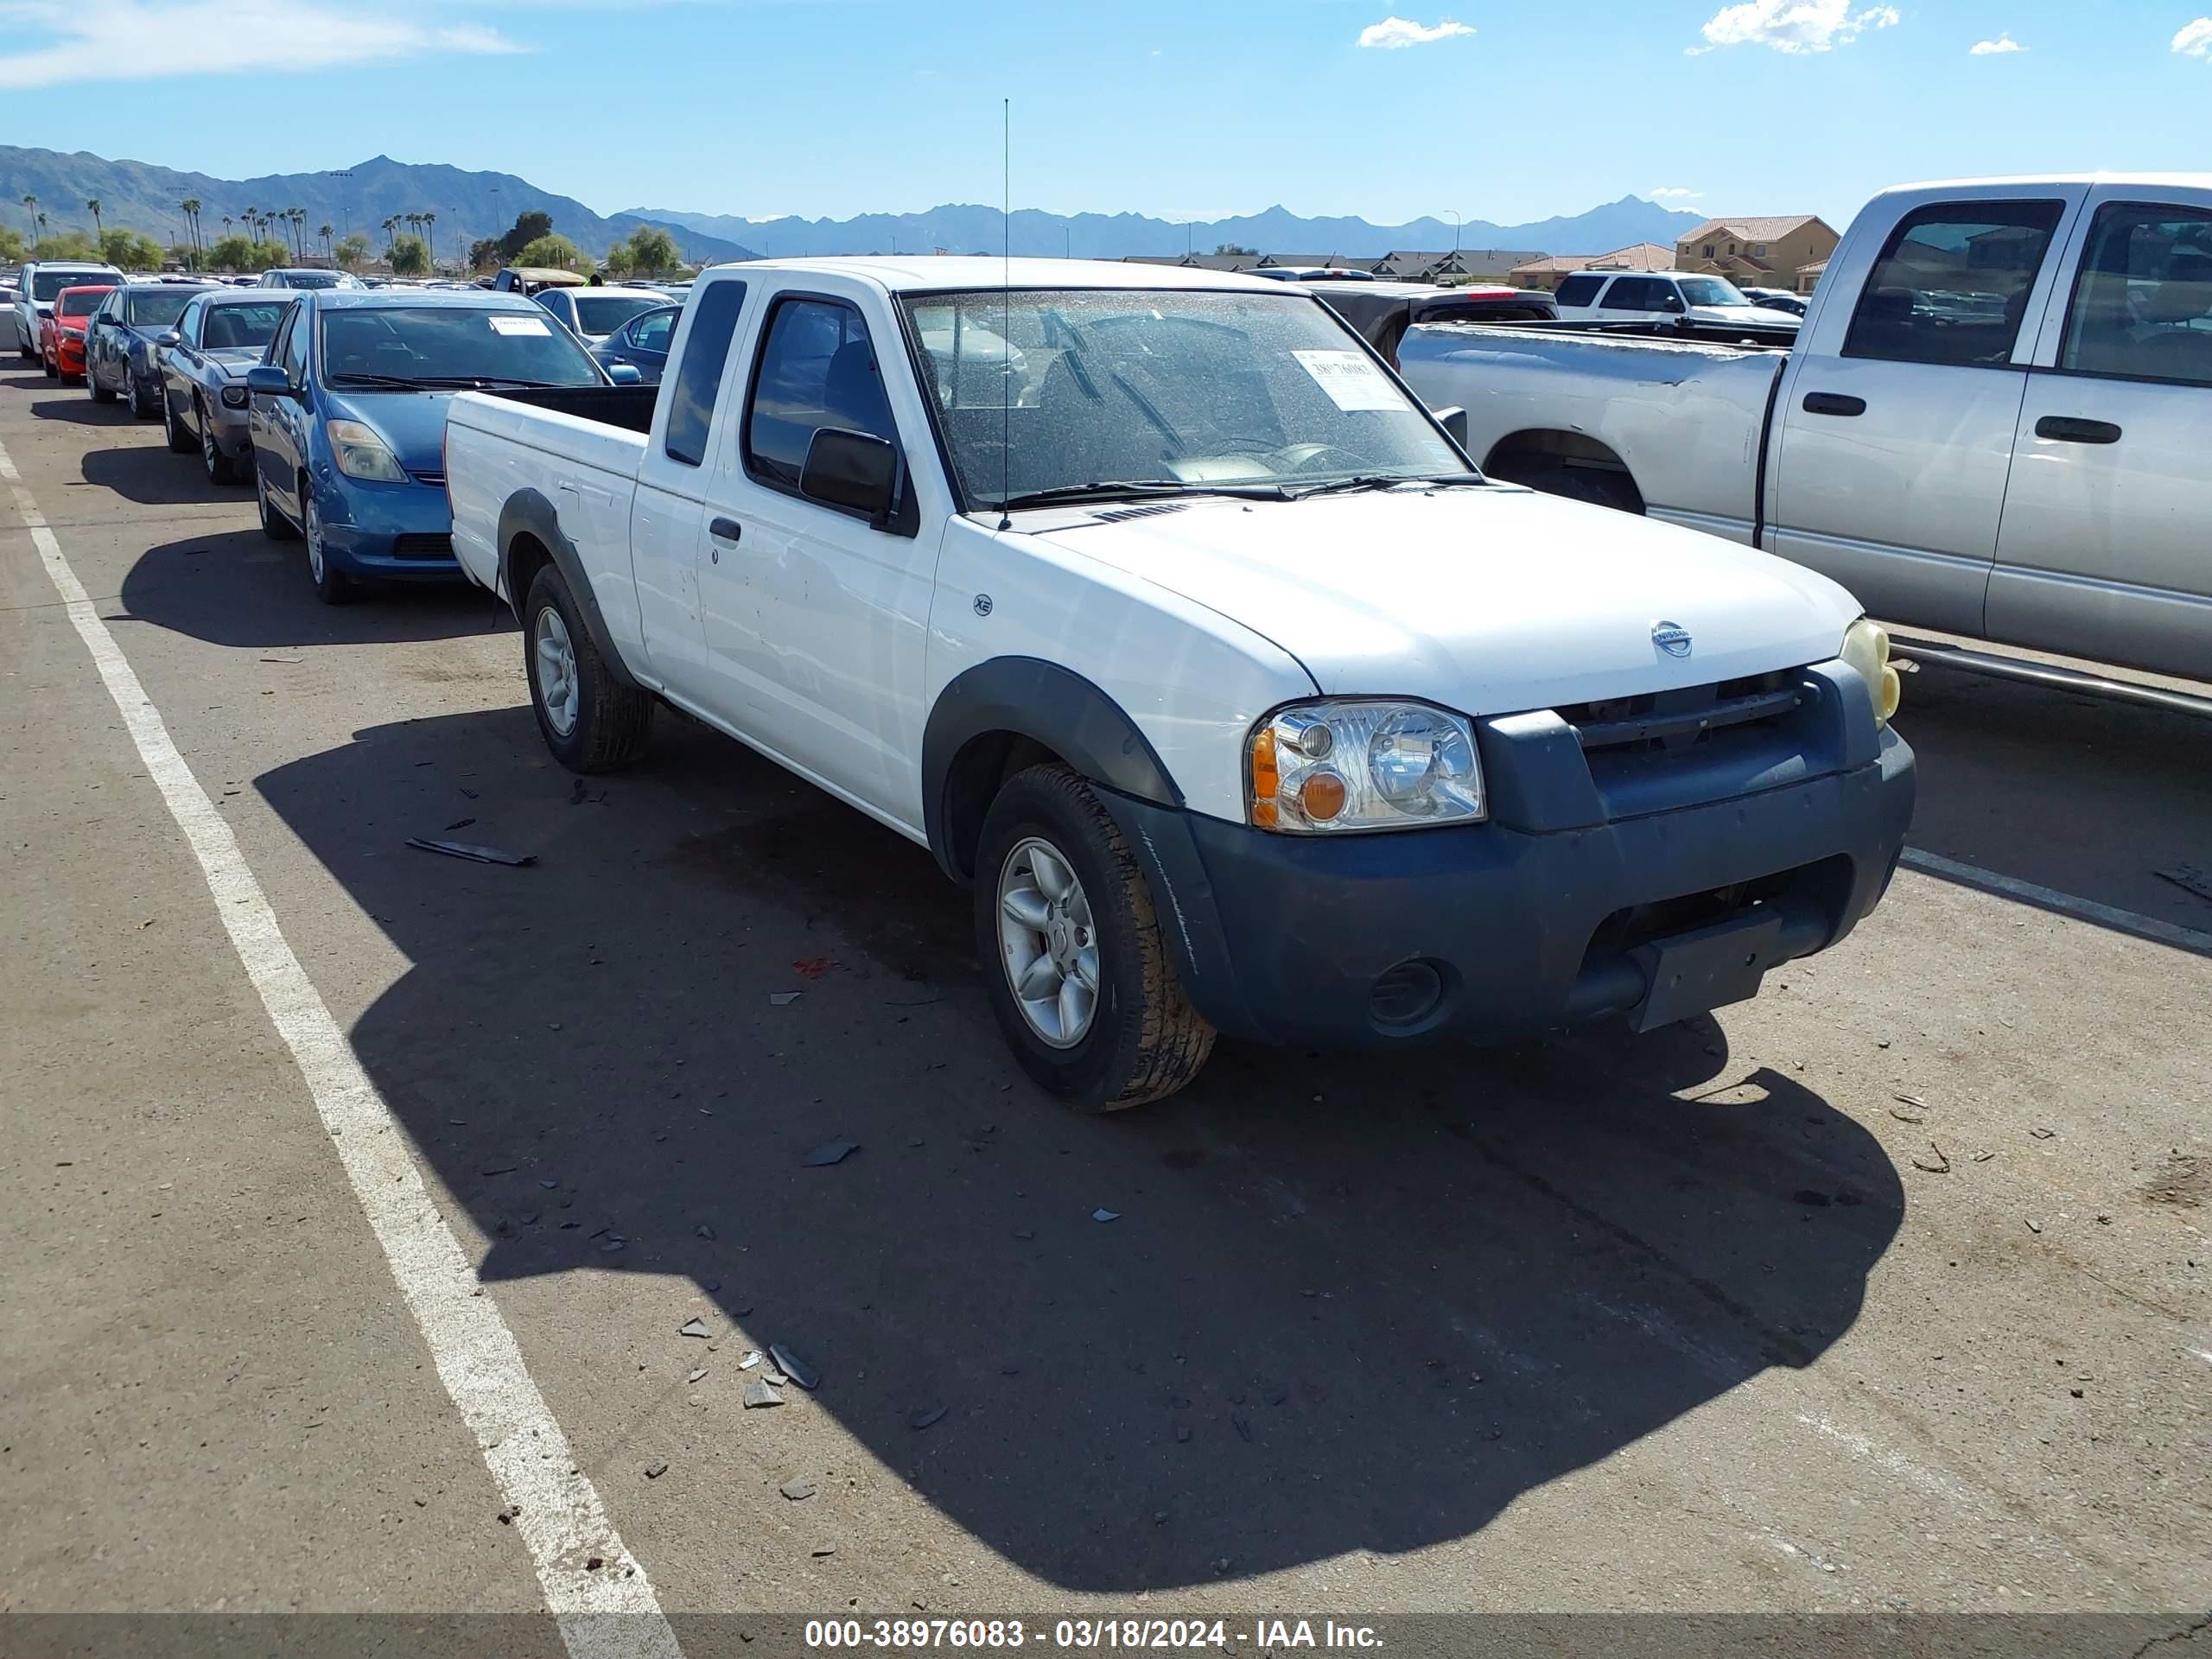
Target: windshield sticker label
519 326
1351 378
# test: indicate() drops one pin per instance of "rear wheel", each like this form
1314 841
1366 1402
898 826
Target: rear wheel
100 394
592 721
53 369
274 524
1080 976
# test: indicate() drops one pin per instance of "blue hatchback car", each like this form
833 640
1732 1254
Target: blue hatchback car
348 416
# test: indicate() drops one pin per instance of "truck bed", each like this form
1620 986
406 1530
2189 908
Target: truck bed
630 408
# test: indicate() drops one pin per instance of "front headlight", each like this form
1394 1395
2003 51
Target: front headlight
236 397
360 452
1352 763
1866 648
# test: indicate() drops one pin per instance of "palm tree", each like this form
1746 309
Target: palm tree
429 233
325 233
92 206
30 209
389 225
190 205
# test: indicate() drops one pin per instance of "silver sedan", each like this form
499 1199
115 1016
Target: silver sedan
203 365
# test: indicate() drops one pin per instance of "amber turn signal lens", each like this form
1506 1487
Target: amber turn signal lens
1267 778
1321 795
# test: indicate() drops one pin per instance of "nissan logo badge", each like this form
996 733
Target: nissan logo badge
1672 638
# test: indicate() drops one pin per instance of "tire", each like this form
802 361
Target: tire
1594 485
143 408
331 585
608 723
1142 1039
219 467
100 394
180 442
52 368
274 524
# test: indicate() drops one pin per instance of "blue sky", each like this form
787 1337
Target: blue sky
1506 111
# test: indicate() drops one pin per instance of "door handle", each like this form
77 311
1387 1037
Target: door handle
2065 429
1834 403
725 530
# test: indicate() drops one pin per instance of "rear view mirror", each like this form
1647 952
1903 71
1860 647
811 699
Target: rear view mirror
856 471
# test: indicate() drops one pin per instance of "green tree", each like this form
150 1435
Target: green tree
68 245
31 214
486 254
553 248
409 257
190 209
526 229
323 234
353 252
239 253
130 251
12 245
99 230
652 251
1232 248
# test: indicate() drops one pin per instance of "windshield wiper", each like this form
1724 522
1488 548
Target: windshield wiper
1384 481
488 380
392 381
1110 489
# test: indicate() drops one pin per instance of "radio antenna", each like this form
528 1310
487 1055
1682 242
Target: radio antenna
1006 311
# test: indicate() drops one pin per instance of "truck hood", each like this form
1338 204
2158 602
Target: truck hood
1488 600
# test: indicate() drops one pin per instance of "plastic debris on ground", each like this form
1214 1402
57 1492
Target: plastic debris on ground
759 1394
925 1417
793 1367
693 1328
1103 1214
829 1152
473 854
783 998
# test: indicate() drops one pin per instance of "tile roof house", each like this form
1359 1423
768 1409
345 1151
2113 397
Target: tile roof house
1548 274
1764 251
1417 265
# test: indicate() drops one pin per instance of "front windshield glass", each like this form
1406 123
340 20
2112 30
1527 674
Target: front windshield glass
447 344
1050 390
240 327
602 313
157 308
1711 291
82 302
46 284
308 278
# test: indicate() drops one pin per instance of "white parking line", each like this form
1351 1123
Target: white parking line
605 1611
2126 921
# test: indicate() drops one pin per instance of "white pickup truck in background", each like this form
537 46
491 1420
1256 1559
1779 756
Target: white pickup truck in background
1157 609
1996 421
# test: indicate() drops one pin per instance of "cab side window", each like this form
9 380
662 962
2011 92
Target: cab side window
2142 305
816 370
1952 284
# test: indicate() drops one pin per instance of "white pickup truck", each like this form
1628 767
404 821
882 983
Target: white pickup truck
1995 421
1157 608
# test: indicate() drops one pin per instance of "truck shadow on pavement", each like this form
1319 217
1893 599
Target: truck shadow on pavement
1343 1303
238 587
151 475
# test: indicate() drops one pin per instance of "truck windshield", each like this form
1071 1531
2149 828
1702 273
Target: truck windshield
1057 391
397 347
1711 291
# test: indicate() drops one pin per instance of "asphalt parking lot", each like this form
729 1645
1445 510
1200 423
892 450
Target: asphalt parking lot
1887 1292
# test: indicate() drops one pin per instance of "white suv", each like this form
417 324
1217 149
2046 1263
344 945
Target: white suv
35 286
1662 296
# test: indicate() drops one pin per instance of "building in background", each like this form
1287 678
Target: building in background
1775 252
1548 274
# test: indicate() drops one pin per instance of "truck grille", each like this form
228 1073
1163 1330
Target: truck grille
1666 722
420 545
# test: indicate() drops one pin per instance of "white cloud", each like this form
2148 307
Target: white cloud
1793 25
147 40
1393 34
1673 192
2195 39
2003 42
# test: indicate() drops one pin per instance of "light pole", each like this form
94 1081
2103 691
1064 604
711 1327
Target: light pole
344 207
1455 233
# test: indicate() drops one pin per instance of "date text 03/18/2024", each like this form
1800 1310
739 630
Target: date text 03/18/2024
1079 1635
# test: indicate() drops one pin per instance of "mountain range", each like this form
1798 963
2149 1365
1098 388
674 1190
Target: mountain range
470 206
971 229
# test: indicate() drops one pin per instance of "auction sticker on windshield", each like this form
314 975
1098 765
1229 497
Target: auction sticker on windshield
519 326
1351 380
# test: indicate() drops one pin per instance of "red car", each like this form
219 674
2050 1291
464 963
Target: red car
61 331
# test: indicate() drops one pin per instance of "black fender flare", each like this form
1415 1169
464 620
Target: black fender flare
1048 704
529 514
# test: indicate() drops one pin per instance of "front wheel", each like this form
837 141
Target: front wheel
180 439
331 585
100 394
592 721
1080 976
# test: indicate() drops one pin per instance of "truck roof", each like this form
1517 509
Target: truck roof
904 273
2045 181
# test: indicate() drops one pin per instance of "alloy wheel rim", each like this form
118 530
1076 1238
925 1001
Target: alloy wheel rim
558 693
1048 942
207 452
312 529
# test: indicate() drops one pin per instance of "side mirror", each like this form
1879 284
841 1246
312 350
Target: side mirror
1454 423
269 379
856 471
623 374
169 337
1673 302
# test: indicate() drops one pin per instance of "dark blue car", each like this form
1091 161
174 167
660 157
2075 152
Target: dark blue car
120 343
641 343
348 414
